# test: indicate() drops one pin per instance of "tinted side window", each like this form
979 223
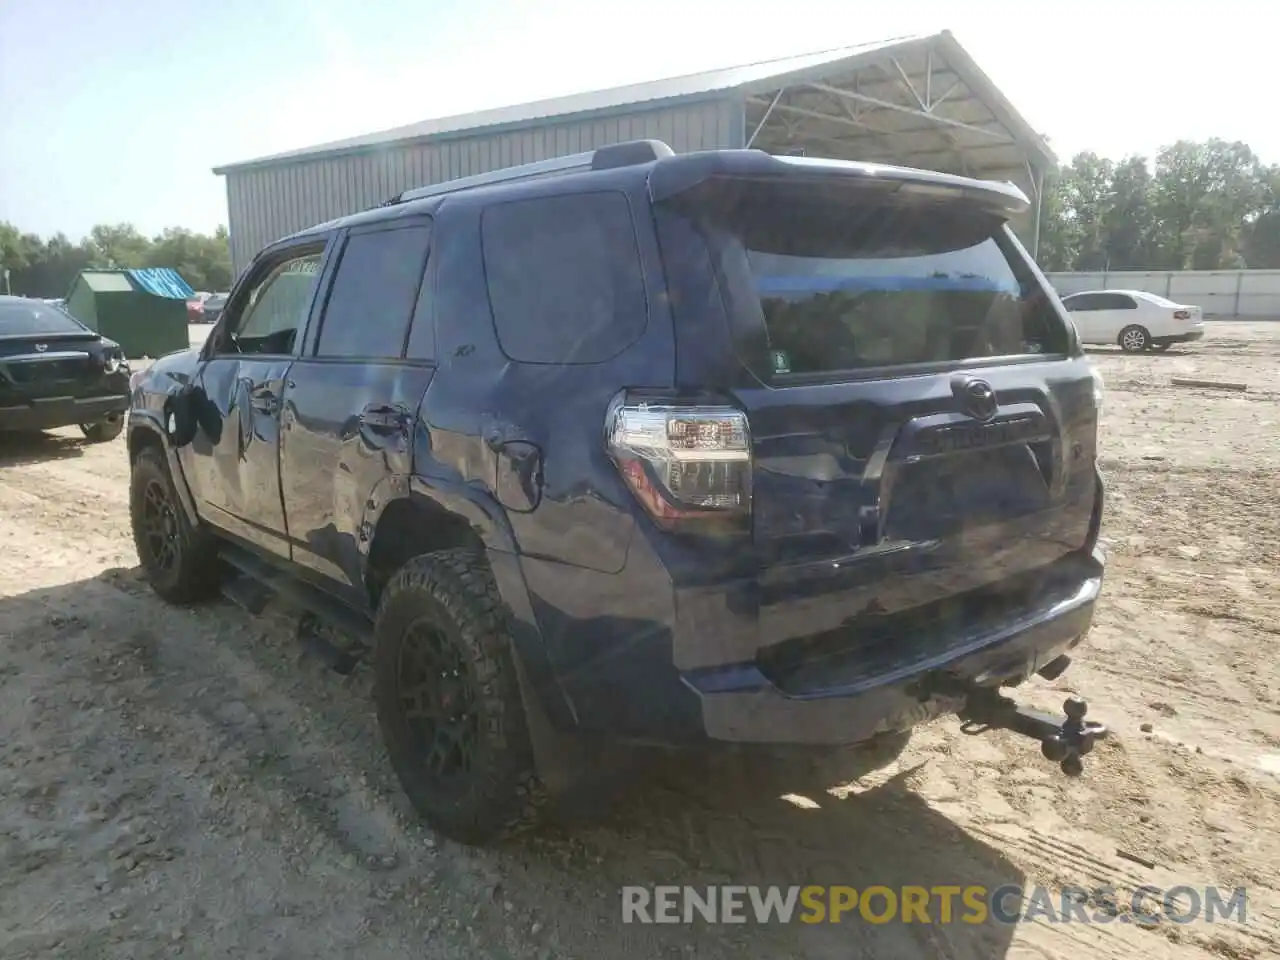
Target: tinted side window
564 276
374 290
276 308
1080 302
1118 301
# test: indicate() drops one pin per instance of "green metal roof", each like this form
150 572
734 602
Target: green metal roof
156 281
107 281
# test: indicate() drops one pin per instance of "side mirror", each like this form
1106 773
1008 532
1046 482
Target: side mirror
179 418
186 412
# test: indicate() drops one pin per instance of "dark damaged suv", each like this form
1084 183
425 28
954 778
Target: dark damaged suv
701 450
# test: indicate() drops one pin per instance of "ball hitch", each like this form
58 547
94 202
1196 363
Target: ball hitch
1074 738
1063 741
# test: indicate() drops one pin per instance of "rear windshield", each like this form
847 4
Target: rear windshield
846 285
20 317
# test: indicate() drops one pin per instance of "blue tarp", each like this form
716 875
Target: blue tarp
820 284
162 282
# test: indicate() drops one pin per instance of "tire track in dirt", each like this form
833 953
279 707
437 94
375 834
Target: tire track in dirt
276 804
1078 863
86 483
221 664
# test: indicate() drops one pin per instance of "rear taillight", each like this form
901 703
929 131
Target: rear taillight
1182 314
685 464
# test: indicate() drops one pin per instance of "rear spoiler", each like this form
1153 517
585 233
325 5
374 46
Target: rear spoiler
672 176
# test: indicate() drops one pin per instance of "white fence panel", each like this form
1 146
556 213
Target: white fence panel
1219 293
1066 283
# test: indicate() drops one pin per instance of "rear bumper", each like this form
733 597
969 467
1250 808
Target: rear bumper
614 646
51 412
838 701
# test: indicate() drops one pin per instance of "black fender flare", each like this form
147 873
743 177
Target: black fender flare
545 698
476 506
148 422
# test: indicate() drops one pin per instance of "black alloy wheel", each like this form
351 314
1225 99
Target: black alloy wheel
438 700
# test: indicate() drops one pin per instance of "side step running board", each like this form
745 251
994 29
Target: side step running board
252 583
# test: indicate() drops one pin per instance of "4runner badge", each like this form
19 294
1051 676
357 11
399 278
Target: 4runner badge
977 399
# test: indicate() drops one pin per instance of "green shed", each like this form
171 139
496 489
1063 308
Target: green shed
145 310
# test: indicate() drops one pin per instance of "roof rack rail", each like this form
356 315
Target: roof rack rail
629 153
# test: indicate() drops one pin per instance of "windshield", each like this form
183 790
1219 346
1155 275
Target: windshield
843 283
20 317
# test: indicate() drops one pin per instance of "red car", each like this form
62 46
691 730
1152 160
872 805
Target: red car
195 308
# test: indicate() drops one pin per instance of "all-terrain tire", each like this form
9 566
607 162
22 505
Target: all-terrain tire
1134 339
452 594
103 431
180 563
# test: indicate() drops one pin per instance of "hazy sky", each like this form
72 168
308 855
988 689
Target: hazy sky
114 113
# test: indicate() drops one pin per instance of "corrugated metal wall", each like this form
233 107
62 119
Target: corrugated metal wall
1220 293
267 203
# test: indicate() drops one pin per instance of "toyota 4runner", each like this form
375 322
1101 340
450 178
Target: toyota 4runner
717 448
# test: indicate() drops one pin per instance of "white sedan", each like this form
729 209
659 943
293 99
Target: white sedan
1134 319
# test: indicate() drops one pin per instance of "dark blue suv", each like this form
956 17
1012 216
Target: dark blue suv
712 449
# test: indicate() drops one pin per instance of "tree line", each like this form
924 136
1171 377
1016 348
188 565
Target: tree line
40 267
1210 205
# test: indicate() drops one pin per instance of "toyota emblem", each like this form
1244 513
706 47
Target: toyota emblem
977 399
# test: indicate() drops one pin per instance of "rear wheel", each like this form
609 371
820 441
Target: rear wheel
448 700
180 561
1134 339
104 430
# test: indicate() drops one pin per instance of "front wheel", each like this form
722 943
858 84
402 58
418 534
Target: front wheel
1134 339
104 430
179 560
448 699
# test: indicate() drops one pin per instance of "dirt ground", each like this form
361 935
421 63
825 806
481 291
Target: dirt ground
184 783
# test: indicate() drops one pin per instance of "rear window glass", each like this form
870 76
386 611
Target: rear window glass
847 285
21 316
564 277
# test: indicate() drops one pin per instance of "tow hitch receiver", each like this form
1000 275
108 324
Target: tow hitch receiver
1064 742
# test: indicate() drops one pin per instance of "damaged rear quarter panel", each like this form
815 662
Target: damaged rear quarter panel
486 417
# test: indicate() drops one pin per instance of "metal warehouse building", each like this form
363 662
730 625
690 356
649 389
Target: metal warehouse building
920 101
